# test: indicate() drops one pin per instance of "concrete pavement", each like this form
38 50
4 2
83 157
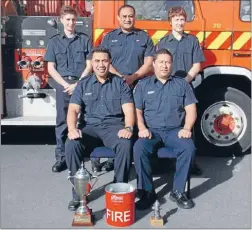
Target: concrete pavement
34 197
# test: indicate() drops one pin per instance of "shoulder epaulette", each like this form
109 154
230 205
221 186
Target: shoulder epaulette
164 38
54 36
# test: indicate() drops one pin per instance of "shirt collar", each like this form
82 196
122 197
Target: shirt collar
94 79
171 37
133 31
63 35
155 80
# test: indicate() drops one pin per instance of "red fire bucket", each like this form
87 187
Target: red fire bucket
120 204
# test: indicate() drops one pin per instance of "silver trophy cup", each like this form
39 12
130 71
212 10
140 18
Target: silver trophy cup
82 185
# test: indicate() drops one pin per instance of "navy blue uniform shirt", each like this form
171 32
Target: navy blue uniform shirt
185 52
128 50
163 104
69 54
102 103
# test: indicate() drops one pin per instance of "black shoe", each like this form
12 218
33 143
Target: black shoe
147 200
196 170
140 193
108 166
181 200
59 166
73 205
96 166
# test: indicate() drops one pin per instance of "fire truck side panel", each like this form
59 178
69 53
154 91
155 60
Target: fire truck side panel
105 14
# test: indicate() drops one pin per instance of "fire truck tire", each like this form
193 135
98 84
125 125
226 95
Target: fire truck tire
223 126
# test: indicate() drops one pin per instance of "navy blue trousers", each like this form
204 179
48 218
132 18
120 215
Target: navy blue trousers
95 136
144 148
62 102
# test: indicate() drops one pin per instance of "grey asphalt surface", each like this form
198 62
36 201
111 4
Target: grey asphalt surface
32 196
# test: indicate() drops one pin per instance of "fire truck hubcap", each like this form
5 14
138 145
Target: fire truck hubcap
223 123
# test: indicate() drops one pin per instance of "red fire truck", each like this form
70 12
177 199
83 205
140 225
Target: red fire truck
223 87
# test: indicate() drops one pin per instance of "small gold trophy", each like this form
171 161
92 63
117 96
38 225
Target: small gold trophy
156 219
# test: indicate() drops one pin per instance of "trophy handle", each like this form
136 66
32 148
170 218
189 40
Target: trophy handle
69 177
96 179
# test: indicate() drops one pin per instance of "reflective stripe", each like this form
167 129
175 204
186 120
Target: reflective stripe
219 40
211 40
240 41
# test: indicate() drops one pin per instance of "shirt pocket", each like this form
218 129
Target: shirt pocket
90 102
114 103
187 58
80 56
151 102
80 59
61 57
177 101
116 49
140 46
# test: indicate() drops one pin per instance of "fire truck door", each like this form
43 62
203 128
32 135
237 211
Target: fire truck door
241 47
218 27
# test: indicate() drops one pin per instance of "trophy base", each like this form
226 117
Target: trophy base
86 219
156 222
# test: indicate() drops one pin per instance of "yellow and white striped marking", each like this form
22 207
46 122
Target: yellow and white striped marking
241 40
98 33
158 35
219 40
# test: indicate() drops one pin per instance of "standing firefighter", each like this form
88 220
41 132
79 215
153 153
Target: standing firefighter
186 51
67 55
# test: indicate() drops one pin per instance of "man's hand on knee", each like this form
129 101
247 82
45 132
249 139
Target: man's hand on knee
184 133
74 134
145 133
124 133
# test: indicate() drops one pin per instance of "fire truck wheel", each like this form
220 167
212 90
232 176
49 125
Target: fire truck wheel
223 126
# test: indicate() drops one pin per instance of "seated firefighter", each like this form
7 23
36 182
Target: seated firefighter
106 102
163 104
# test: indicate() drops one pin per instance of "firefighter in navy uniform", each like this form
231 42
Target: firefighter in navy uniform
106 103
186 51
132 53
67 56
166 112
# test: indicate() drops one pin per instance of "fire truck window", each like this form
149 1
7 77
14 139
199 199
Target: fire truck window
245 10
158 10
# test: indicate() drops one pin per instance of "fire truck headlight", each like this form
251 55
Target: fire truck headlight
27 42
41 42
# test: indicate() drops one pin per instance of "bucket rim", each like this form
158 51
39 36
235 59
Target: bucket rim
132 188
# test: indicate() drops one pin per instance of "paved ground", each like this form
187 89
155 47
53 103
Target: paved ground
34 197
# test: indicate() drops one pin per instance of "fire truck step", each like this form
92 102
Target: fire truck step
29 120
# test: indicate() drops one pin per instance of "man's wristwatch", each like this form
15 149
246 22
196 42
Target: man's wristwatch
129 128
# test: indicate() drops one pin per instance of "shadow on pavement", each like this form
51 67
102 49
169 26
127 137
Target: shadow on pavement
216 170
220 170
28 135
